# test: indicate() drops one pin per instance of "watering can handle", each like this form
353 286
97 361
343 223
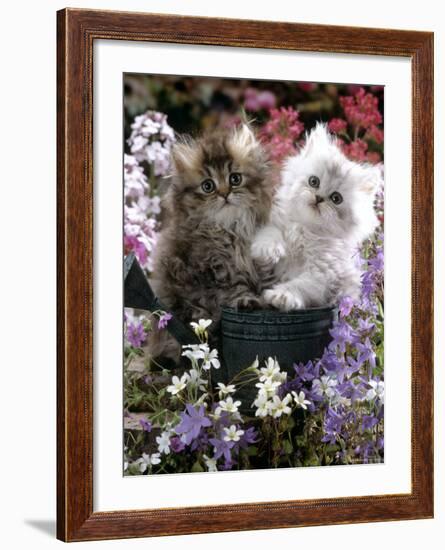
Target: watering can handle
139 294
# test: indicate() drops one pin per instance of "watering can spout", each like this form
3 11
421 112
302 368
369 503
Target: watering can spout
138 294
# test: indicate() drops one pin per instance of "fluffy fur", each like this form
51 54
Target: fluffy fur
323 211
202 259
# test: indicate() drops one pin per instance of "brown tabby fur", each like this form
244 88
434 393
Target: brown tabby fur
202 259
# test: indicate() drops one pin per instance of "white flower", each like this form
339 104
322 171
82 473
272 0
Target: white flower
268 388
195 381
210 463
300 399
232 434
280 406
270 371
210 359
167 131
339 399
262 405
156 153
194 352
151 140
148 460
155 205
200 327
325 386
202 324
138 145
227 405
178 384
202 400
138 122
163 442
135 180
225 390
150 127
280 377
377 390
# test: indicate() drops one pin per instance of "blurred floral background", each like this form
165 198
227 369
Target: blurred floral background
329 411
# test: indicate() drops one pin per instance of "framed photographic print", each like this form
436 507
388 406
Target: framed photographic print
245 229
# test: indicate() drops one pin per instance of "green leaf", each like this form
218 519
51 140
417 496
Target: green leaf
300 440
313 461
287 447
290 423
252 451
197 467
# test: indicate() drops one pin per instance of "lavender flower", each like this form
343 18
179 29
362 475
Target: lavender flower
307 372
342 334
333 423
176 445
146 425
368 422
249 437
345 306
136 334
221 448
164 319
192 420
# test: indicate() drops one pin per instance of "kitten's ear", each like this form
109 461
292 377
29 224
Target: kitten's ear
371 178
243 140
186 155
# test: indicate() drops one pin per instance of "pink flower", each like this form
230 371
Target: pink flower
251 99
358 150
281 132
361 110
267 99
337 125
353 88
230 121
254 100
375 133
307 86
132 244
373 157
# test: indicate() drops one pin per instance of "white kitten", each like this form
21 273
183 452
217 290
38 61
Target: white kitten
323 211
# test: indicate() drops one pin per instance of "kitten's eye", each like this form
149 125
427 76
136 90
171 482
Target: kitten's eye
208 186
336 198
235 179
314 181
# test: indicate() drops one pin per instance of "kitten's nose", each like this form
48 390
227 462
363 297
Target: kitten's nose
224 192
318 199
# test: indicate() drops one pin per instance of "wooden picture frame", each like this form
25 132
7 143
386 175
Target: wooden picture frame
77 30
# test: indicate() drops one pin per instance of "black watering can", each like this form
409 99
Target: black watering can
290 337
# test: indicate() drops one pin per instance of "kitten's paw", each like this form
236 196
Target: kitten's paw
247 303
267 251
283 299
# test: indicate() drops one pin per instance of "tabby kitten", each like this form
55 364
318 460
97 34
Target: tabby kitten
218 197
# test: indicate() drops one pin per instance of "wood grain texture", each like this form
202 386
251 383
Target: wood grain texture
77 30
